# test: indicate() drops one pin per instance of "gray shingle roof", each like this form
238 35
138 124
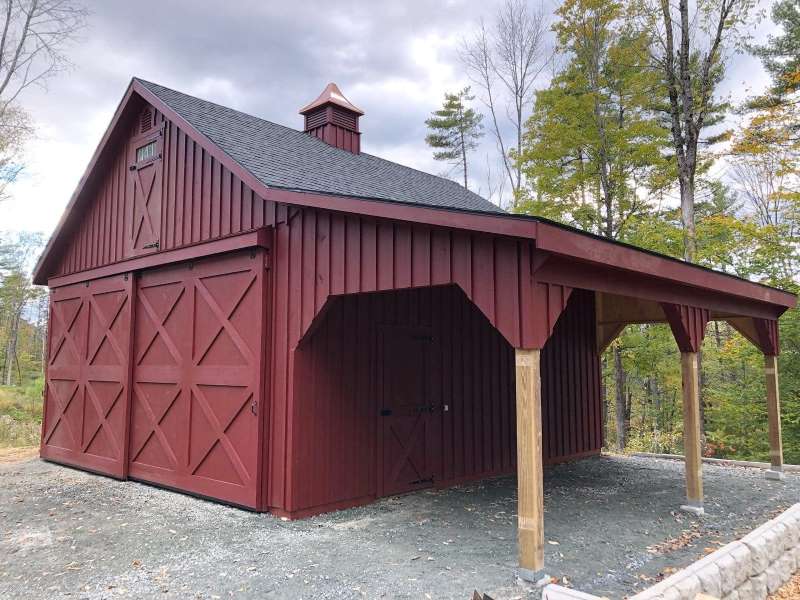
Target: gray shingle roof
282 157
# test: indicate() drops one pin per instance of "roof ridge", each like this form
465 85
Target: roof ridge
299 132
236 110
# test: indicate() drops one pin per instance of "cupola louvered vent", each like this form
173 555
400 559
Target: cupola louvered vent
345 118
316 119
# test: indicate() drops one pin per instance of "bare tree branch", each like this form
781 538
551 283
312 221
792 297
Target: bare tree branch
505 63
35 35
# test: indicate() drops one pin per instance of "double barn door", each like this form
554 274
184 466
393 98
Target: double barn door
161 379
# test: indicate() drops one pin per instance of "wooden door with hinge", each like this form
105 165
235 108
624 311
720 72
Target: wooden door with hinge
410 417
145 185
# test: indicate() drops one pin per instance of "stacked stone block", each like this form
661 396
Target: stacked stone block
748 569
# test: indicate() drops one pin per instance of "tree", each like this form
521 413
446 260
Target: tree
34 35
16 295
765 152
593 144
454 130
781 54
504 62
688 48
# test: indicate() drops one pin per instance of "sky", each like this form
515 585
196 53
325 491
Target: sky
394 60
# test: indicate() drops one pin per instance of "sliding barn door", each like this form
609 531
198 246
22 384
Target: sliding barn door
86 392
198 364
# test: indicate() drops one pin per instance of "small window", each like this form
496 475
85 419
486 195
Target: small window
146 152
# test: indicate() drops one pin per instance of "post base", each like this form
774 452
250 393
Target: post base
775 475
695 509
538 578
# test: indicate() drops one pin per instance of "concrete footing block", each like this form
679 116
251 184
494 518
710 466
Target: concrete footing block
538 578
774 475
695 509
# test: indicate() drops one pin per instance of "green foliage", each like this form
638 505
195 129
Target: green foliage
23 311
20 415
597 155
454 130
781 54
593 142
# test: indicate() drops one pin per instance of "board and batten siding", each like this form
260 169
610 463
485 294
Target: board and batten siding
320 254
336 445
201 200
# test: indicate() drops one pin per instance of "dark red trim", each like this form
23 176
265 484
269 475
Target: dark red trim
688 324
249 239
499 223
576 245
608 278
768 338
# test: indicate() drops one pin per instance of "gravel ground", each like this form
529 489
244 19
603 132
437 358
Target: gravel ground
611 527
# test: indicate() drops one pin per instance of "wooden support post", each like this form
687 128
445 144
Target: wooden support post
774 414
530 502
691 433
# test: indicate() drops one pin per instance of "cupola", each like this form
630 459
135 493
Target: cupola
333 119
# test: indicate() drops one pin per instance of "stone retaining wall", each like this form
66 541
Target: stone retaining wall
747 569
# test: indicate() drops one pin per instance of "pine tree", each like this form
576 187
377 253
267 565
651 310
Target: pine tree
454 130
781 53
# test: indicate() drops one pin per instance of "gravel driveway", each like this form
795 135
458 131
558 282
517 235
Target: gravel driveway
611 526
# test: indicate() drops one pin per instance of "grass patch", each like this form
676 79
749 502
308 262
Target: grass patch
20 415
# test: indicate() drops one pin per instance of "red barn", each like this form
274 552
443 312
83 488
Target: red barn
274 319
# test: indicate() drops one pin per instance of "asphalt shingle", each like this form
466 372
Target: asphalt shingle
282 157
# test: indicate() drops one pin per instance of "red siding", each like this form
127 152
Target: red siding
200 200
337 442
571 404
318 253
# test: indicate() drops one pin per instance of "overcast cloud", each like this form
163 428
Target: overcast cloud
394 60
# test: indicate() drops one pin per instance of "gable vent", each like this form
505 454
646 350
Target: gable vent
145 119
